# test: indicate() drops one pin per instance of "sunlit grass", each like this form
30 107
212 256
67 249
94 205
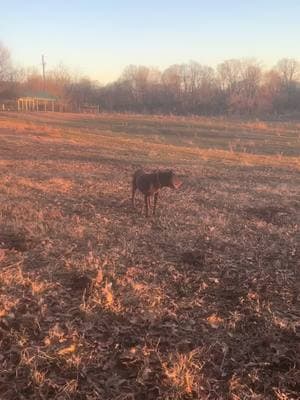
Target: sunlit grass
96 301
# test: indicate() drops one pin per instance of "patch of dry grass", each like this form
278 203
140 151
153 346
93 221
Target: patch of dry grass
201 301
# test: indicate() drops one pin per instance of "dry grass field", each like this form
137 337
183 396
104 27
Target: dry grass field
198 302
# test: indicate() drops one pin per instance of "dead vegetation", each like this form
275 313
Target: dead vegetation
96 302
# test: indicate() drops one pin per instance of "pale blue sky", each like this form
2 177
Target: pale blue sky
99 38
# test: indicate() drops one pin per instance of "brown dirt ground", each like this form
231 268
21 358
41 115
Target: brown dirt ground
198 302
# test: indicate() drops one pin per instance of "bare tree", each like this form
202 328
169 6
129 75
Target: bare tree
289 70
240 81
235 86
230 73
9 77
58 80
81 92
270 92
137 79
5 63
172 88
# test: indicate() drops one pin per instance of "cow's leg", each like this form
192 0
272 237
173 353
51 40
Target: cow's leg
155 202
133 194
147 204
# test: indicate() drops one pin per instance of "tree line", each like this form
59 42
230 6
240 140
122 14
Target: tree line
235 86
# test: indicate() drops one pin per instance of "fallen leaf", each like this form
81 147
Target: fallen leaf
99 277
67 350
214 321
